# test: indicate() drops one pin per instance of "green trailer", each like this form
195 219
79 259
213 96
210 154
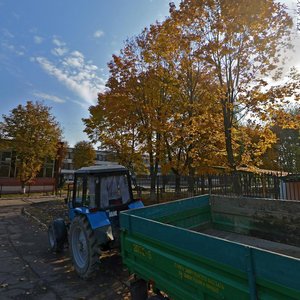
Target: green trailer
214 247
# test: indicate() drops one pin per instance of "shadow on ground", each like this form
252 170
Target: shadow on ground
30 271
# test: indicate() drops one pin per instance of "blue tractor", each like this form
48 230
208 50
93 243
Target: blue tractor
99 193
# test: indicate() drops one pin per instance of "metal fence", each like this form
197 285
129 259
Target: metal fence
290 187
240 184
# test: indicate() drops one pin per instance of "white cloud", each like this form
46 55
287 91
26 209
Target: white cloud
45 96
13 48
57 42
6 33
60 48
8 42
77 75
77 54
75 60
38 39
99 33
84 105
59 51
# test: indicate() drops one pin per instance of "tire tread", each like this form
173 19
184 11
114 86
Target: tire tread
93 248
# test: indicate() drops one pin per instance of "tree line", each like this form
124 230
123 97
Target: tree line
203 88
193 91
34 134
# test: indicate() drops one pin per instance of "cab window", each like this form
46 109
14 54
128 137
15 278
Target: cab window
92 197
114 191
79 191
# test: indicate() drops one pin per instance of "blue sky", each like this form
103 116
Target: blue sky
57 51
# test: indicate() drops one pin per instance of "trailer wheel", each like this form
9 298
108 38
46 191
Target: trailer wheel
57 235
139 290
83 246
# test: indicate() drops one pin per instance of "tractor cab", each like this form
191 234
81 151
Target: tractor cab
103 187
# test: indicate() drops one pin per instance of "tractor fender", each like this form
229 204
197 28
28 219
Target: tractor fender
99 223
136 204
96 219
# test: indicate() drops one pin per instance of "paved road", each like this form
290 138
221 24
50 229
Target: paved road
29 271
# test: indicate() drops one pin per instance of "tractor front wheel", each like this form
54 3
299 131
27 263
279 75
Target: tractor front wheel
83 246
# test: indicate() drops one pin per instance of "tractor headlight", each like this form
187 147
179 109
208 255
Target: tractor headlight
110 233
104 234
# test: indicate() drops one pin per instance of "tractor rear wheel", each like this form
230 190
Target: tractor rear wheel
83 246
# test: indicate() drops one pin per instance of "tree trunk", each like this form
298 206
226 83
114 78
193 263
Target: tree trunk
152 177
228 142
191 186
164 182
23 188
152 186
191 181
177 180
227 115
203 185
236 185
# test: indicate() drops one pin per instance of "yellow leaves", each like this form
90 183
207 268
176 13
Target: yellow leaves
84 154
34 135
175 88
251 143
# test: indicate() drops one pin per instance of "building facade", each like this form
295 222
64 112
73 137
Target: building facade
50 176
67 168
9 182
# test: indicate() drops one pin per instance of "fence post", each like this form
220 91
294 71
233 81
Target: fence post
209 184
225 183
157 189
202 184
28 194
276 187
164 180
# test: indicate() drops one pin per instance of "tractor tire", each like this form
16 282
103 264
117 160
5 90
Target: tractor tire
57 235
83 246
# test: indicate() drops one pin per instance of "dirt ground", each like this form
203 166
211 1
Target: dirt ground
30 271
49 210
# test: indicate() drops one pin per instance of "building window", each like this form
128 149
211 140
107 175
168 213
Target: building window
4 170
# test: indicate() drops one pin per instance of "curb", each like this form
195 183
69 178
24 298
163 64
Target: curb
24 198
26 213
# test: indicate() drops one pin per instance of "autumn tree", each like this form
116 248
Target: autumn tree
240 44
288 149
253 141
191 128
84 155
62 149
153 101
184 90
129 116
285 152
113 123
34 134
